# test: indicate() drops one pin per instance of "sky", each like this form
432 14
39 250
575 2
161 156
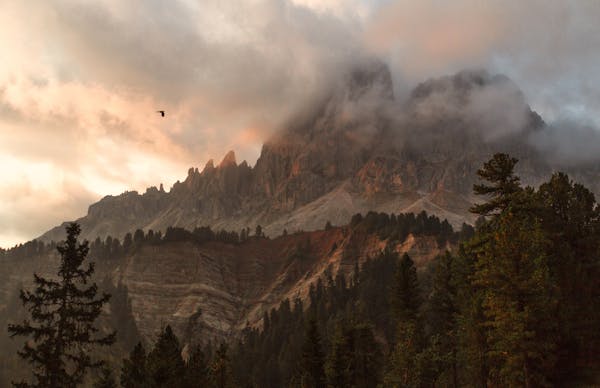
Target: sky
80 82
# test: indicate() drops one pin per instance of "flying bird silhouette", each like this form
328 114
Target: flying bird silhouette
162 112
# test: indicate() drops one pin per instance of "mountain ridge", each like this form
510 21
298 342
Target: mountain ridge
357 149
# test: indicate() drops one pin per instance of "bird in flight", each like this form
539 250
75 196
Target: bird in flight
162 112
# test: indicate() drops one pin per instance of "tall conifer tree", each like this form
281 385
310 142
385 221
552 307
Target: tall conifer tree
134 373
502 184
313 374
62 315
221 373
165 364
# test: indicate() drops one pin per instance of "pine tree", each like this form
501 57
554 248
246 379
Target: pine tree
106 380
503 184
134 373
405 297
63 311
196 369
513 276
355 358
127 242
571 220
165 365
339 359
441 322
366 365
405 301
518 301
313 359
471 334
403 368
220 369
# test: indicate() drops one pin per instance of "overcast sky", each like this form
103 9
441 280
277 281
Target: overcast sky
80 81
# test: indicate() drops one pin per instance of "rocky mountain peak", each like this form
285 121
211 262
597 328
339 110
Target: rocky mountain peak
228 160
459 87
192 171
371 77
209 166
356 150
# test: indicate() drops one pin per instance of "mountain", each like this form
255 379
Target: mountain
212 287
355 149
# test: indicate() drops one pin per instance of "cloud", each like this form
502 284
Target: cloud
79 90
35 194
81 81
546 47
425 38
568 143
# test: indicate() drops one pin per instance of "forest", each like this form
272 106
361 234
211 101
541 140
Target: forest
516 302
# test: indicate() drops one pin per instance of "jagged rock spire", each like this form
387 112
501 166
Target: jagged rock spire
210 165
228 160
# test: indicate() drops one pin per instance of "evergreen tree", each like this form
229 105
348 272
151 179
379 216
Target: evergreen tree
354 359
503 183
196 369
571 220
471 334
127 242
403 369
165 365
405 301
106 380
441 325
138 236
513 276
220 370
134 373
405 297
122 317
313 359
63 311
366 366
518 302
339 359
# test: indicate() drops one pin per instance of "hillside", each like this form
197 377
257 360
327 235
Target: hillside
215 288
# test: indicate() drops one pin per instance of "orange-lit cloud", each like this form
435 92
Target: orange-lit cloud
435 34
80 82
80 85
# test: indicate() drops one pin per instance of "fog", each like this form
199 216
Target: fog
80 83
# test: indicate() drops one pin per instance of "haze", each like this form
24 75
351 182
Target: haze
80 83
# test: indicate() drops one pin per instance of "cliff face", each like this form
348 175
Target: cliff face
356 149
213 290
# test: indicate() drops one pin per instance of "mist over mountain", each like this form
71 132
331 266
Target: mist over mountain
357 148
82 82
